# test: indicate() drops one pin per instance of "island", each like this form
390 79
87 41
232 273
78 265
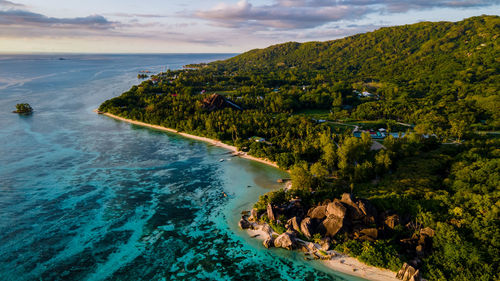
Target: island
23 108
390 138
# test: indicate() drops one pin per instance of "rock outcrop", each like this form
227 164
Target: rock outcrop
254 216
353 211
306 227
347 214
336 208
270 212
244 223
294 224
325 244
355 218
370 234
285 240
332 225
317 213
427 231
402 271
408 273
268 242
391 221
369 211
267 229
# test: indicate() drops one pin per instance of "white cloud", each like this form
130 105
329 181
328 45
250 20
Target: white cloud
279 15
306 14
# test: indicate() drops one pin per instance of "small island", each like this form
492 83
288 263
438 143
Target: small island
23 108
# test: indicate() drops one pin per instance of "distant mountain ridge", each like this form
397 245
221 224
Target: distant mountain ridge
434 86
467 49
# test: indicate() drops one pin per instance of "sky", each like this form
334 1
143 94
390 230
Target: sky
207 26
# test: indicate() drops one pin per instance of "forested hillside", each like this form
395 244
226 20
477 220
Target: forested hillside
417 56
431 88
426 64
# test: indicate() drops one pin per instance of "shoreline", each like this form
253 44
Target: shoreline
342 263
214 142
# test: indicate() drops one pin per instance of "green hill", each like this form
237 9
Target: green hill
416 54
304 99
416 69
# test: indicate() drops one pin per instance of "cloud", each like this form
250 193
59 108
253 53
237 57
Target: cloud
398 6
15 23
306 14
282 15
4 4
126 15
26 18
333 32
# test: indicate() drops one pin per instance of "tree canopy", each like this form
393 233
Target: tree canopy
433 85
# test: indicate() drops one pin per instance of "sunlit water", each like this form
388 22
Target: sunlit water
85 197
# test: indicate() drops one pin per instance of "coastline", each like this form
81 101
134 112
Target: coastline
340 263
343 263
214 142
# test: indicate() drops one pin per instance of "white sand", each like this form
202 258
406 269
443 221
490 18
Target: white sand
343 263
362 270
340 263
211 141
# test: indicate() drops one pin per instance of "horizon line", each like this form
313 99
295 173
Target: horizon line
117 53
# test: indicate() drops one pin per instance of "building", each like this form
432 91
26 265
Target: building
366 94
257 139
376 146
373 134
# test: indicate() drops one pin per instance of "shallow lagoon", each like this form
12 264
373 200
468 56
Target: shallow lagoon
86 197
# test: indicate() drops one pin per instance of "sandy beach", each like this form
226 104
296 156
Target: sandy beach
343 263
204 139
351 266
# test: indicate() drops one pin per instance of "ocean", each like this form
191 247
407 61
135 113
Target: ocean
86 197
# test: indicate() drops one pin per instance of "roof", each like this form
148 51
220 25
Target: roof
377 146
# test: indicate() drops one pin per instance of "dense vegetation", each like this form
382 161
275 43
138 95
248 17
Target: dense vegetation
441 78
23 108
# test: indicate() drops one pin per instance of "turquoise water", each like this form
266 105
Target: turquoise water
86 197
